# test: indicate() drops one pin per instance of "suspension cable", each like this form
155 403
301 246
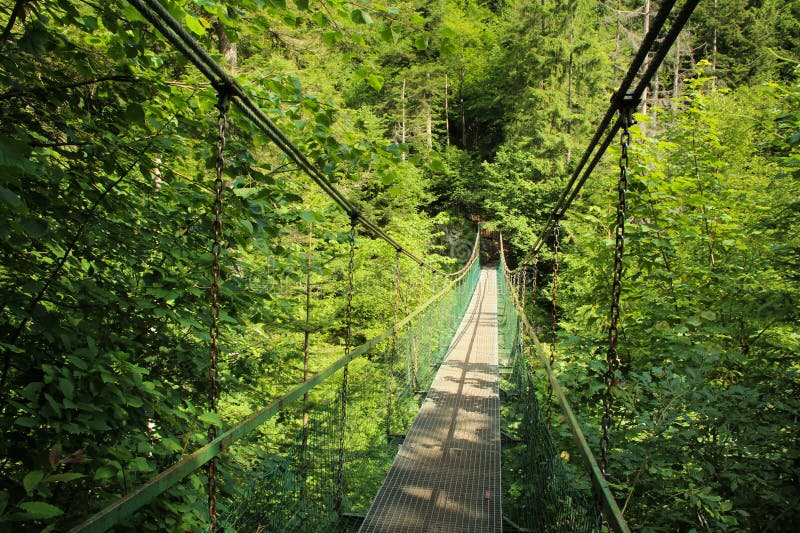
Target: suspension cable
223 105
622 98
155 13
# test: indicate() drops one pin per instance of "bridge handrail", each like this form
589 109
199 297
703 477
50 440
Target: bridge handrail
126 505
610 508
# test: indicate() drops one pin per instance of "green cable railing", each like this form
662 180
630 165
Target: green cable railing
279 465
540 492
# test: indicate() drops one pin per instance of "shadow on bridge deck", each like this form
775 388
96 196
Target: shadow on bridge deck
446 475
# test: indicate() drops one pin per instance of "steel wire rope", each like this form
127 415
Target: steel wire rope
634 97
157 15
622 98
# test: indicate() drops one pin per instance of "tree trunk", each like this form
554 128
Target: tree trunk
646 29
403 117
225 46
463 114
570 72
446 112
428 117
655 98
714 49
676 84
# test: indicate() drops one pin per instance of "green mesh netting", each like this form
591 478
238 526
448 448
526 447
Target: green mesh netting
540 491
285 478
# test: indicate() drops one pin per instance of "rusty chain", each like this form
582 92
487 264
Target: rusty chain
223 105
612 356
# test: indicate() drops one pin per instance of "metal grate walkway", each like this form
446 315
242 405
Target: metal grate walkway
446 475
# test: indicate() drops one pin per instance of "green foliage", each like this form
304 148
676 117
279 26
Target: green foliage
753 39
107 150
709 379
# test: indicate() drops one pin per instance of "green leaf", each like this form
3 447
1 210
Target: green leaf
361 73
709 315
11 347
330 38
3 501
41 510
33 227
134 401
32 390
436 165
171 444
195 25
140 464
301 4
388 34
387 178
67 388
9 197
63 478
693 321
320 19
421 42
135 113
209 6
359 16
105 472
78 362
211 418
358 39
25 421
375 81
32 480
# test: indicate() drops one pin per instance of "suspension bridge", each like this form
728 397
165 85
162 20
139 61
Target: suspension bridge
405 434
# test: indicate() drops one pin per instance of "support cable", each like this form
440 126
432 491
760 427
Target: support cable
214 291
623 97
612 356
157 15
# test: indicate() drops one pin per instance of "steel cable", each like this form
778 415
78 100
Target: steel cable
157 15
623 97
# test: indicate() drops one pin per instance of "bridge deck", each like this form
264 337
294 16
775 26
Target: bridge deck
446 475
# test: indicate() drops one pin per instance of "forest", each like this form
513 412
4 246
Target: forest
428 116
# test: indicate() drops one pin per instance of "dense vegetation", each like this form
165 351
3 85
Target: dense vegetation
425 114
